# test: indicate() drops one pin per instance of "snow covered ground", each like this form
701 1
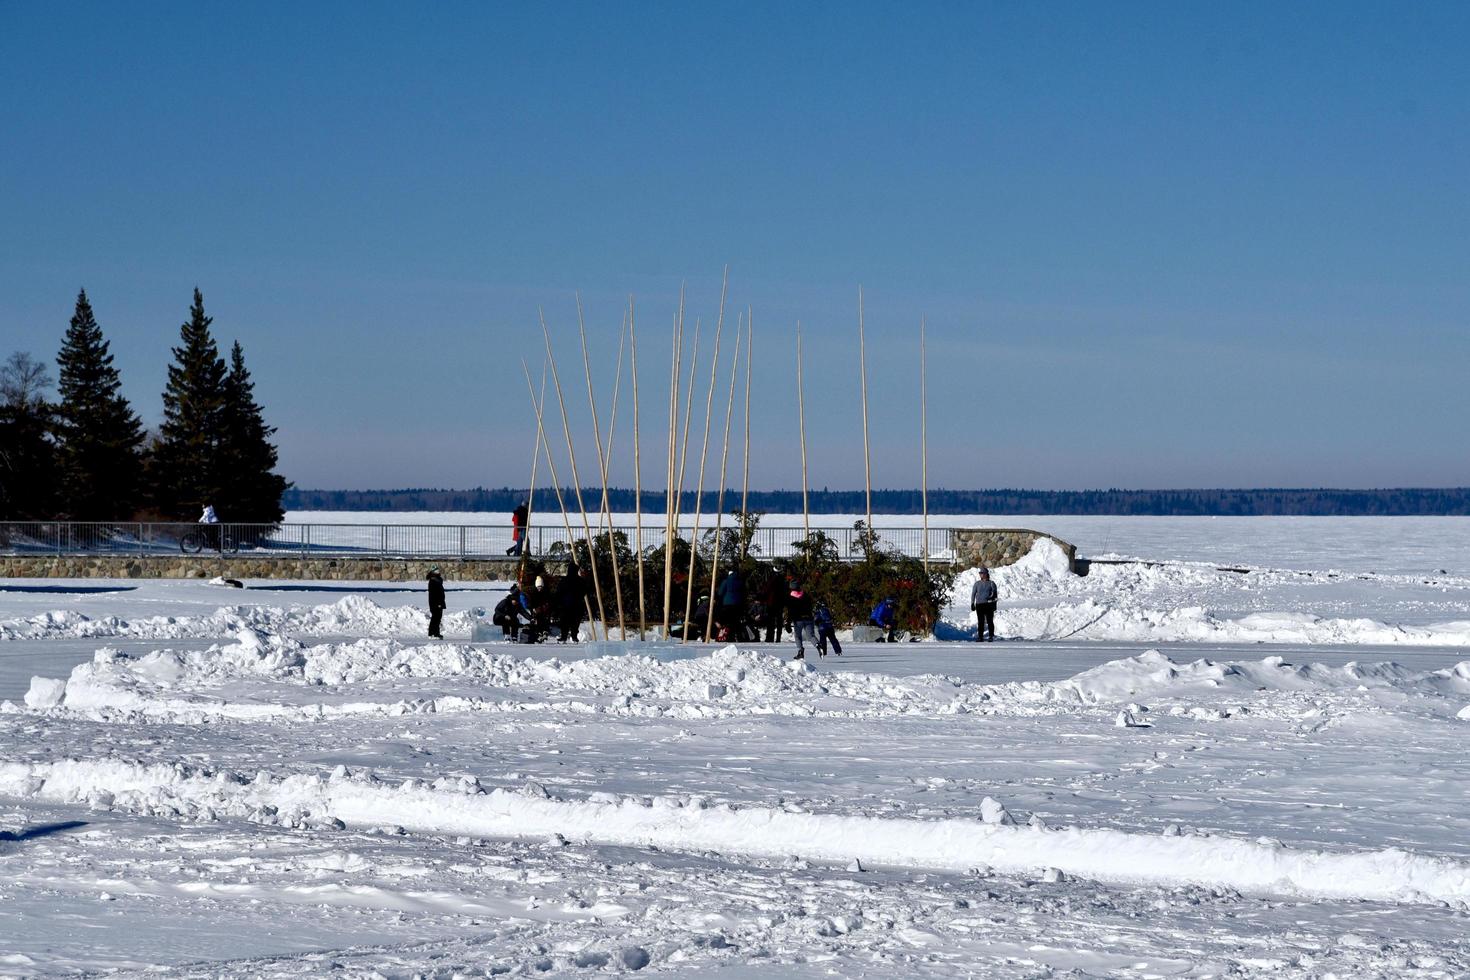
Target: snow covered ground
1166 769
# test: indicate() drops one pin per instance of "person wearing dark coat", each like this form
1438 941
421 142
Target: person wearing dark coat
774 600
508 613
826 629
518 518
983 598
885 617
799 611
570 602
436 603
536 608
730 612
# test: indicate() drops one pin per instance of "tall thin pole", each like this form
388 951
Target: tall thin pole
637 478
806 522
550 460
531 490
602 466
924 440
613 424
676 355
684 444
745 479
714 570
576 479
863 360
709 405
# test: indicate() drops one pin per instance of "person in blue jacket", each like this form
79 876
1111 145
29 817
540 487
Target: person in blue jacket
885 617
730 606
826 629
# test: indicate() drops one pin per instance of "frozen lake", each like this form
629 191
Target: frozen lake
1165 769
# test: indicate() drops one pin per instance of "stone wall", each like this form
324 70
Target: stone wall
997 546
242 567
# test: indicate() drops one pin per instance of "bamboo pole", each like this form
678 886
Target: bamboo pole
714 571
602 468
637 476
550 460
576 479
684 443
924 441
867 469
676 354
806 522
613 424
745 479
709 405
531 491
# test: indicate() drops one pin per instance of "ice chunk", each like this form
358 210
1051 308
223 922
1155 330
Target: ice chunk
45 692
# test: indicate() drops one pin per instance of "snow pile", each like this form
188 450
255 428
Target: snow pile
460 806
351 615
263 677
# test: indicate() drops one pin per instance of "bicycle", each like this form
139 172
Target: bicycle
212 536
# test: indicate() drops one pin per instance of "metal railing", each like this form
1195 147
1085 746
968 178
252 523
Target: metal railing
384 541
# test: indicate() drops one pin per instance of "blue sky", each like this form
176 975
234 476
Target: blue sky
1156 244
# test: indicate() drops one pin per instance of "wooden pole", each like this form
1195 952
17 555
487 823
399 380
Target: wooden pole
806 522
531 491
613 424
637 477
675 373
602 467
714 570
709 405
924 441
867 469
745 479
576 479
684 441
550 460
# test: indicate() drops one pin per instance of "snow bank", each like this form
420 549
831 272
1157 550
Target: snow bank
264 677
461 807
350 615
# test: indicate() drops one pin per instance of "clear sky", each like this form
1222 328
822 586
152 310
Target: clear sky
1158 245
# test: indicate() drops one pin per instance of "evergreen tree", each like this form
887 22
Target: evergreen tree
100 465
27 440
253 493
187 471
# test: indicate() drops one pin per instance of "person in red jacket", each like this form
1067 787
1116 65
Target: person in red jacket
518 519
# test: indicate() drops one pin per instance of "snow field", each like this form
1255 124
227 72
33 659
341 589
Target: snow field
291 787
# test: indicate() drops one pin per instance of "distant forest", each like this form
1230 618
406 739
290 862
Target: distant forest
1244 503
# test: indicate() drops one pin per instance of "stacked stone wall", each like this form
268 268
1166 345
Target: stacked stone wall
995 547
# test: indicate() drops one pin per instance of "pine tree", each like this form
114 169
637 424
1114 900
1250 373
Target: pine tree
27 440
253 494
187 471
101 467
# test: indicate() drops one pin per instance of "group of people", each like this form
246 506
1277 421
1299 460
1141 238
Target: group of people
531 614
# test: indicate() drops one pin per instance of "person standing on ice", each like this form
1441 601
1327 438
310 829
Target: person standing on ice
885 617
983 597
436 603
799 609
730 613
774 604
826 629
518 519
571 602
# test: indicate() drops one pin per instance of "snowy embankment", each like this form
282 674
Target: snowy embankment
1151 602
364 677
461 807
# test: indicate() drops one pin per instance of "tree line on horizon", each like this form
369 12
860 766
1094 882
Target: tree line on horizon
1320 502
86 455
